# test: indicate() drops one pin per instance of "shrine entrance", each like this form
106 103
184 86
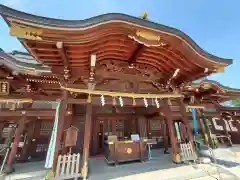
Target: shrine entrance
104 126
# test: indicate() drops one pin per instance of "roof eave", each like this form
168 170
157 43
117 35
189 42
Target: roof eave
58 23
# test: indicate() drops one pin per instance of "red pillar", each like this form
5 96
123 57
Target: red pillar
87 133
30 132
14 148
166 111
185 121
165 134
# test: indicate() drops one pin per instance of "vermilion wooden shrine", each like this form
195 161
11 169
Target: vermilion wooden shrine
113 74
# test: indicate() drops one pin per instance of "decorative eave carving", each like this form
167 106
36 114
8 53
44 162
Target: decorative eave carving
25 32
147 38
4 88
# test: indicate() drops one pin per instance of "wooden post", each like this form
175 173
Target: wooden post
225 129
166 111
185 120
30 133
200 120
165 134
87 133
33 142
142 127
67 124
114 130
14 148
62 109
1 129
208 131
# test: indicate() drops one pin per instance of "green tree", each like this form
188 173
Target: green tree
236 102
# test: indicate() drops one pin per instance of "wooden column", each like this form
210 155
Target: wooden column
114 130
225 128
185 120
1 130
166 111
36 135
14 148
30 133
67 124
200 120
62 110
207 130
142 127
165 135
87 133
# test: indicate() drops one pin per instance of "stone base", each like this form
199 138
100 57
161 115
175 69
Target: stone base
8 170
166 152
2 176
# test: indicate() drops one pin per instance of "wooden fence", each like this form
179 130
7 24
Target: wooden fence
68 166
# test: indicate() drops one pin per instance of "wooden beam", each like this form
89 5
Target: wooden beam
30 113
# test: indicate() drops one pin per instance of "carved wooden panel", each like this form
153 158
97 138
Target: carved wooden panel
119 76
4 88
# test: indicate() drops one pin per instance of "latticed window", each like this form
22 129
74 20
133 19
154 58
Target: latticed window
44 105
11 106
10 129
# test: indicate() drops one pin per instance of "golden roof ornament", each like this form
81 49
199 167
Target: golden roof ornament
145 15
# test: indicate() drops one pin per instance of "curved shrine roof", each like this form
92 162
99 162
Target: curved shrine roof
112 37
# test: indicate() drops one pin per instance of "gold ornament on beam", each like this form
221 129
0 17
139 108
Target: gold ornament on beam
169 102
89 100
25 32
134 102
192 99
148 35
114 101
122 94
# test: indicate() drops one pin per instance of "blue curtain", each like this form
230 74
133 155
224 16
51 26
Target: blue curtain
194 117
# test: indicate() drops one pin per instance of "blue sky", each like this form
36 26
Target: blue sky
212 24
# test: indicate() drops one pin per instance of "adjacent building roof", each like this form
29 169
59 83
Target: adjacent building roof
22 63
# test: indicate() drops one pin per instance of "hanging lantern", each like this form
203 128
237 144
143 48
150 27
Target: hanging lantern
157 103
114 101
102 100
169 102
121 101
145 102
153 102
192 99
89 100
134 102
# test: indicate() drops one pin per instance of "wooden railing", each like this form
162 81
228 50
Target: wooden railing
68 166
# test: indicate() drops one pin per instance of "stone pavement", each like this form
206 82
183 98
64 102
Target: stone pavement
159 168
